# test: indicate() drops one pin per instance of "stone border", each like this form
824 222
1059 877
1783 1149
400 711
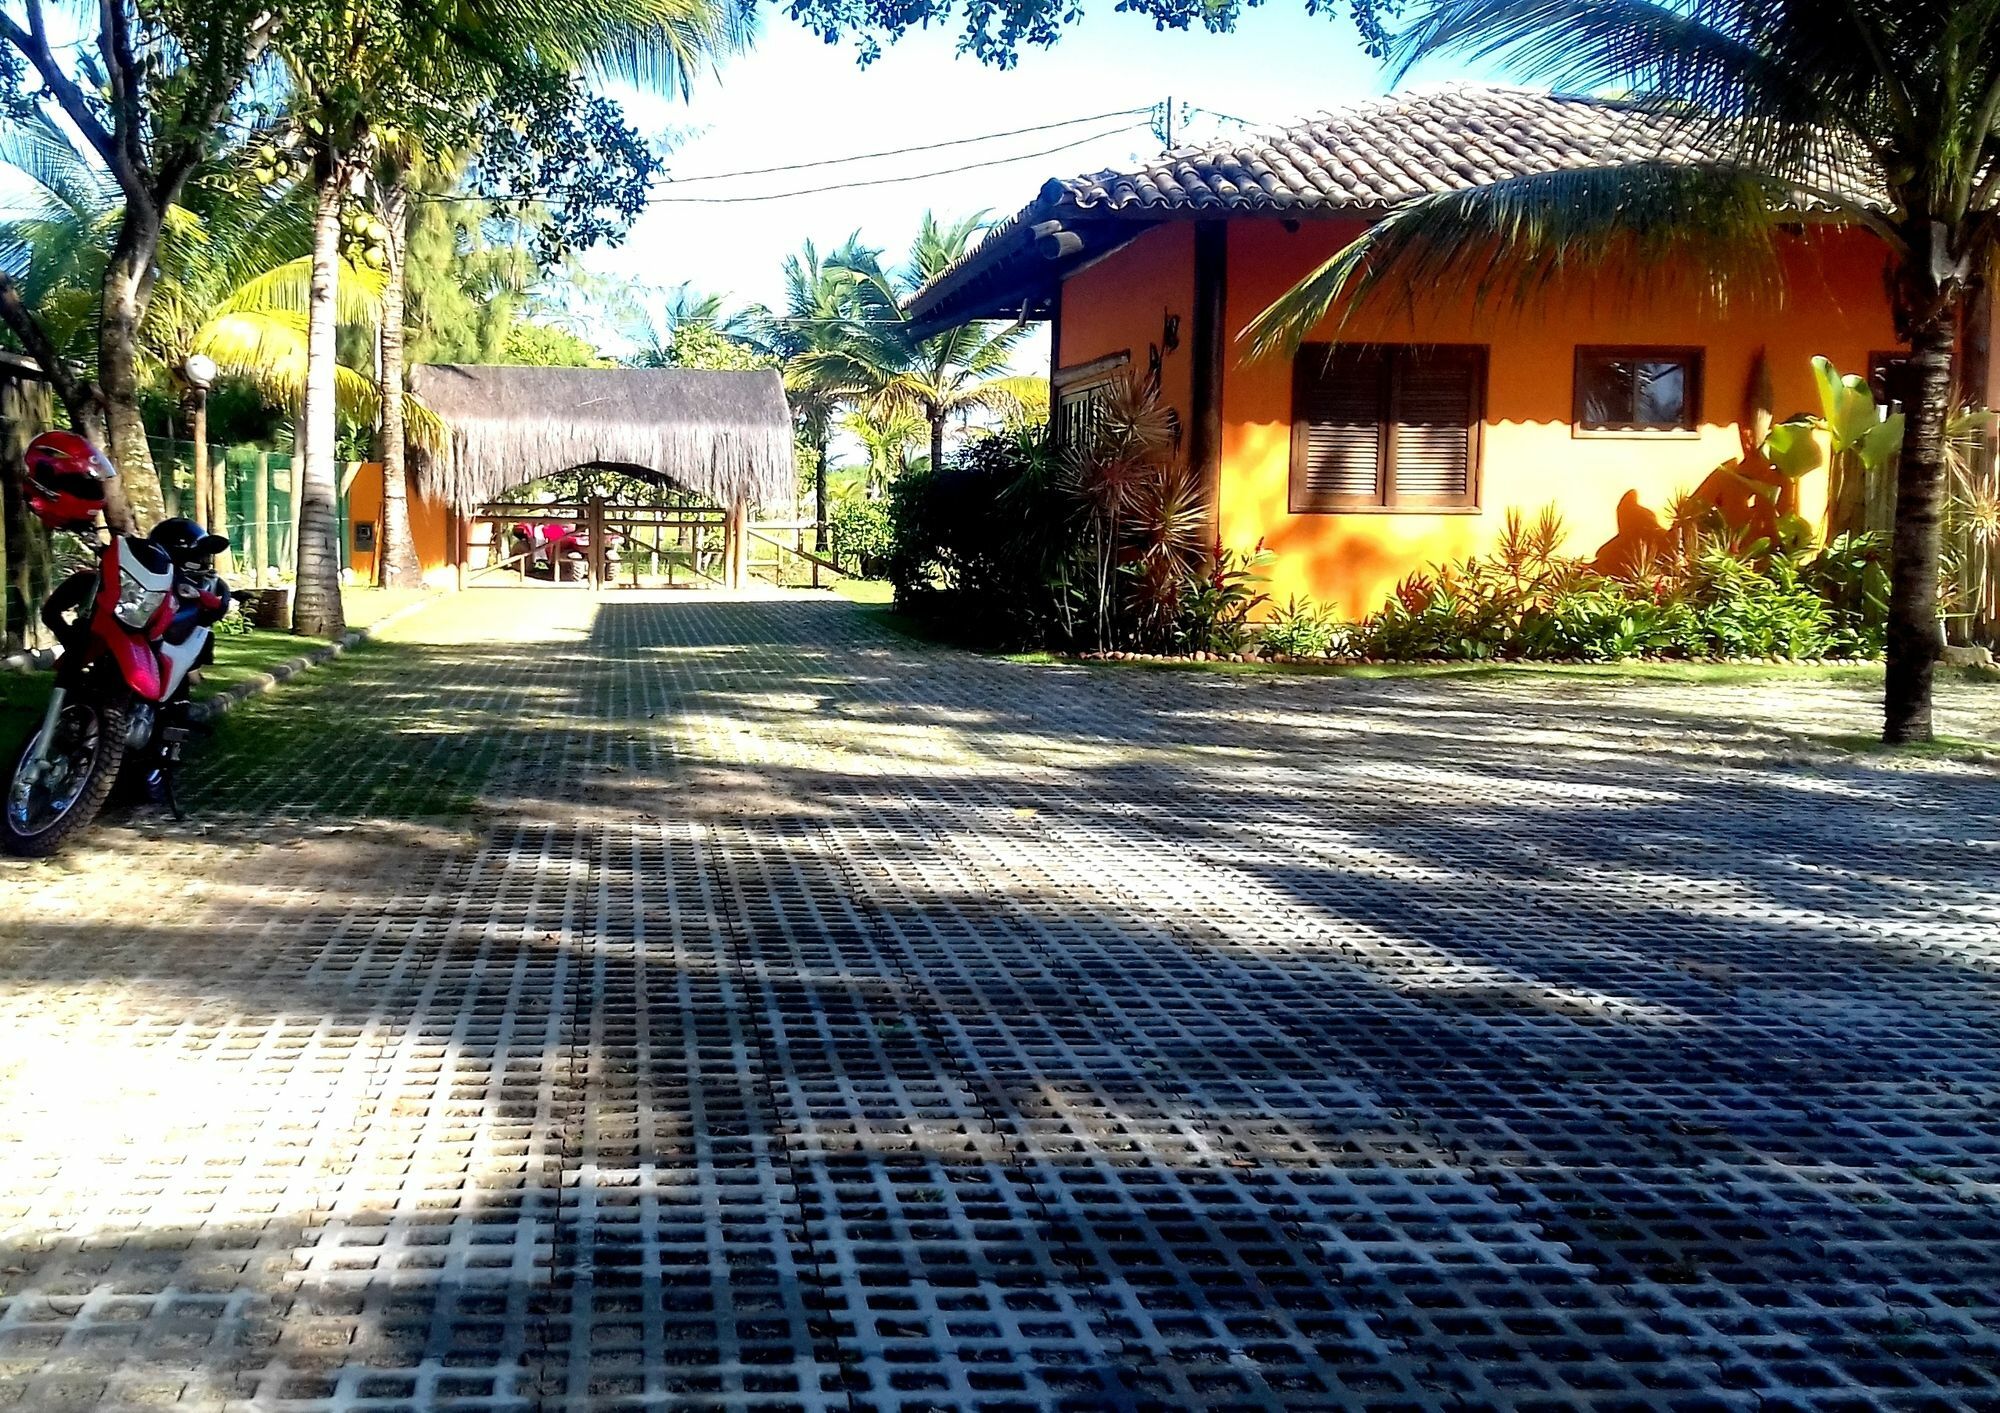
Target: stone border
208 708
223 702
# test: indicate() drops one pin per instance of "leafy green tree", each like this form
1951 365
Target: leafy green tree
1884 115
887 438
145 88
466 277
230 282
490 75
996 31
545 346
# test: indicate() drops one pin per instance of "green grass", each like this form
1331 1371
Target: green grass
1956 748
874 592
365 735
237 659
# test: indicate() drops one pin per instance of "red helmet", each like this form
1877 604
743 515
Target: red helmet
66 477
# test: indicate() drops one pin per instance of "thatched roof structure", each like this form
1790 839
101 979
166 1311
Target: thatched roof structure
724 435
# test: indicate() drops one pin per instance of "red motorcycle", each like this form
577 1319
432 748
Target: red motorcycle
132 631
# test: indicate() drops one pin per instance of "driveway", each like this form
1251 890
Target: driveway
684 1003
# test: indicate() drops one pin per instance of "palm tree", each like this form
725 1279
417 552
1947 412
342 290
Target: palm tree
1883 115
231 280
948 376
823 353
887 440
361 72
657 44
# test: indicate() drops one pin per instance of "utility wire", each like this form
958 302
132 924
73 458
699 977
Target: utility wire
661 199
658 200
901 151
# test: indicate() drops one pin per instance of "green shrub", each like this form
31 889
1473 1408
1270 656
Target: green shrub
1303 628
861 534
1215 613
983 546
1717 593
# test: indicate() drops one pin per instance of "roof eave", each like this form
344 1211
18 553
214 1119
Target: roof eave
1016 274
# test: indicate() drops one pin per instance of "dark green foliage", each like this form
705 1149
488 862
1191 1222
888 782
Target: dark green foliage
863 536
563 160
983 546
1303 628
1717 596
1217 607
997 30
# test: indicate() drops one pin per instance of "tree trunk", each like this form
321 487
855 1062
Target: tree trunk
316 607
395 552
937 442
819 491
1913 568
128 285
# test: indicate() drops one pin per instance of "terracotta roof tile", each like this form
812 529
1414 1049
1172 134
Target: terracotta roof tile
1364 158
1388 150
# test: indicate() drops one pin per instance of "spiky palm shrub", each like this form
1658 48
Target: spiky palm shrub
1882 113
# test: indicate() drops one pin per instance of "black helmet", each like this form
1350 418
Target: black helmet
185 540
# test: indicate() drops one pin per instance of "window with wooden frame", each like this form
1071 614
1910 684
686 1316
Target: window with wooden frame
1637 389
1379 426
1079 396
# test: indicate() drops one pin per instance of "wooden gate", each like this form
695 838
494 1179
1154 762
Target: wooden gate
596 544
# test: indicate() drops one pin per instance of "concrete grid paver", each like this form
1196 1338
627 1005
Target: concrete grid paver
808 1019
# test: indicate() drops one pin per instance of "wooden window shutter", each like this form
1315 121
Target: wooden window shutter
1339 436
1436 404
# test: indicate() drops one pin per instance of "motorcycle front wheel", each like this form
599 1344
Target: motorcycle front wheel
49 805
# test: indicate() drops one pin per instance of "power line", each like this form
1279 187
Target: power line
1226 117
661 199
891 181
902 151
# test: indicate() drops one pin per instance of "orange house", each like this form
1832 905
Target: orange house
1403 434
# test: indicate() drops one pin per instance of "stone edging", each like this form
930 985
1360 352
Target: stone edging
208 708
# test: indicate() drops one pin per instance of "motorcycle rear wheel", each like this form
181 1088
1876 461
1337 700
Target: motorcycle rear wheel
37 819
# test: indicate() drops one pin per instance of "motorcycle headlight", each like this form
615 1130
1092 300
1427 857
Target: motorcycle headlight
137 604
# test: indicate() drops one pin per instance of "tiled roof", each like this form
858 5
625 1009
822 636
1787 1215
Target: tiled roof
1385 151
1361 160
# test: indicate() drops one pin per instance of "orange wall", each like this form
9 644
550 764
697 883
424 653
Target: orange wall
430 528
1610 488
1122 304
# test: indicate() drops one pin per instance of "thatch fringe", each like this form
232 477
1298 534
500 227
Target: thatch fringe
723 435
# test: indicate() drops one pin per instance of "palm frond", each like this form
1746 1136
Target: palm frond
1508 240
63 183
1001 395
288 289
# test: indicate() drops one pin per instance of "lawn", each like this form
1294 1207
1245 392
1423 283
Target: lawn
237 659
875 592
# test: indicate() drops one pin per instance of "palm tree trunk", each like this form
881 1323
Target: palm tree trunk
937 441
316 607
1913 567
128 282
397 555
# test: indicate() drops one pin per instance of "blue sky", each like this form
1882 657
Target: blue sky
795 99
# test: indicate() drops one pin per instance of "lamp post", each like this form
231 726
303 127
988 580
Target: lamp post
197 375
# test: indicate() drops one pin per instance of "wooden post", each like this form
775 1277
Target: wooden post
260 524
734 548
594 528
458 547
1211 281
